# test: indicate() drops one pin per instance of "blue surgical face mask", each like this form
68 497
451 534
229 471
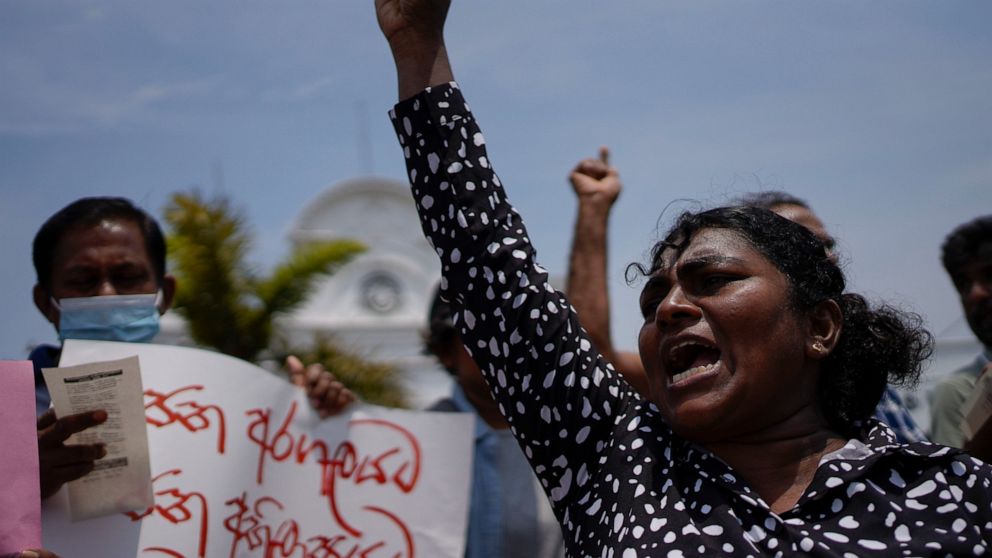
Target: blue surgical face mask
131 318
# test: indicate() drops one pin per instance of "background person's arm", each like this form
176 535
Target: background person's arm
597 186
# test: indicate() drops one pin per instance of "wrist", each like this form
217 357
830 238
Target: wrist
409 43
420 64
596 207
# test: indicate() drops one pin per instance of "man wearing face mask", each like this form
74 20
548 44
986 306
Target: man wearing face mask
101 276
100 264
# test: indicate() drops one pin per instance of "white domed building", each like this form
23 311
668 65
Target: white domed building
376 305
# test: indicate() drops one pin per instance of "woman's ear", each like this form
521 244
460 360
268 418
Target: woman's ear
825 322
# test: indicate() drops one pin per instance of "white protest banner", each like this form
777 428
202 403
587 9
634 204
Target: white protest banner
241 466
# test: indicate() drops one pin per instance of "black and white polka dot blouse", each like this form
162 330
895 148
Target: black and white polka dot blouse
622 485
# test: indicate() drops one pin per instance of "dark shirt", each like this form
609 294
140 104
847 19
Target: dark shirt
621 482
43 356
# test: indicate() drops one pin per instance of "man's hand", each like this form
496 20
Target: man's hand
327 395
59 463
594 180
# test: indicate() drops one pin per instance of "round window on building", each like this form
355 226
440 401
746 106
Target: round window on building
381 293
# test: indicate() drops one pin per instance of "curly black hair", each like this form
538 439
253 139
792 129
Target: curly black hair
877 346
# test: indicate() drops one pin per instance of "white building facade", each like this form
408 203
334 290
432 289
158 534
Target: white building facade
375 305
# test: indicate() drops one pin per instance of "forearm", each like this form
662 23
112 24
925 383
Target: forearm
587 285
419 65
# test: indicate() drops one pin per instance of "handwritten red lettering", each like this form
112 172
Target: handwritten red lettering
395 460
161 412
282 444
251 525
389 466
177 510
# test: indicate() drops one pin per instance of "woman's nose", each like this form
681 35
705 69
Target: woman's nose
675 308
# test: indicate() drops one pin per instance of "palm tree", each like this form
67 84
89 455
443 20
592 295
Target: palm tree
230 307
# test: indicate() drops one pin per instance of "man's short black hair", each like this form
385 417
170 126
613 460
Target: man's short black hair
87 212
967 243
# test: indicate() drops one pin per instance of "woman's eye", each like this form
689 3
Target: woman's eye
713 282
649 304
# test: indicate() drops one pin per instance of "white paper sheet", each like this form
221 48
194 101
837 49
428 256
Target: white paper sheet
120 481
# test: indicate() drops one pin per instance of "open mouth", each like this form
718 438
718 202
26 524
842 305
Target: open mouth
690 358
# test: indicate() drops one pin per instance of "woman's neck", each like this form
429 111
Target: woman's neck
779 463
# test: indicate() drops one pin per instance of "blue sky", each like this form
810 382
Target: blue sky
878 113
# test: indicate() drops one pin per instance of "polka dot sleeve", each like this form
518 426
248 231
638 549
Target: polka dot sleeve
559 396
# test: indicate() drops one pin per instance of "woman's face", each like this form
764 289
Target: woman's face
723 348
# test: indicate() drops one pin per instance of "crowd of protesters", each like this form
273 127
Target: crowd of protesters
758 417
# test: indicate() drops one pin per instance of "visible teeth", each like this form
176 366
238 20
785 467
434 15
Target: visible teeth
693 371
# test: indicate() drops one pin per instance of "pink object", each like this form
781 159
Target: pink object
20 499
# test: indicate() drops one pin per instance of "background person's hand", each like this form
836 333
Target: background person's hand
595 180
59 463
325 392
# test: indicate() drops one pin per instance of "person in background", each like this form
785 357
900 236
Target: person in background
597 186
101 275
794 209
508 511
100 265
967 257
